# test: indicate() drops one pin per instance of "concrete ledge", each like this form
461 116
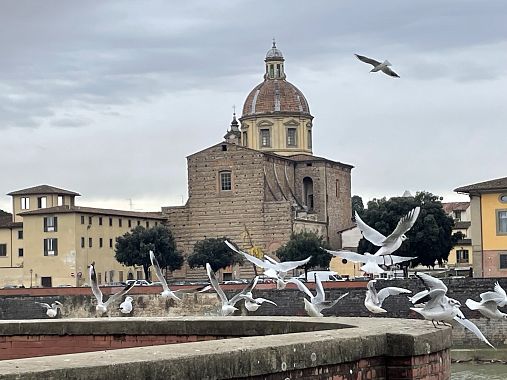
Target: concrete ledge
269 346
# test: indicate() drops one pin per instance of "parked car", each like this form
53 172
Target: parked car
117 283
265 280
138 282
323 275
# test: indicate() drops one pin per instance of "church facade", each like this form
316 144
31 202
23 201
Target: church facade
262 183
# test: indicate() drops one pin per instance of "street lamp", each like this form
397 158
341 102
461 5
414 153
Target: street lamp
31 272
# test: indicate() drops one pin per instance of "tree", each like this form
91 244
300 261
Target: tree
134 247
215 252
429 239
304 244
357 205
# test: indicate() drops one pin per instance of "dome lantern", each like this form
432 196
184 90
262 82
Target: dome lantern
274 63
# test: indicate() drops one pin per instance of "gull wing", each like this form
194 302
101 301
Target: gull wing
321 295
356 257
158 271
500 290
388 71
329 304
473 328
390 291
119 294
252 259
431 282
370 234
367 60
302 287
289 265
416 298
262 300
93 283
433 298
43 304
498 295
215 284
397 259
245 291
404 224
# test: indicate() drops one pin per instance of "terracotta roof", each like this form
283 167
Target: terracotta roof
6 221
494 184
43 189
275 96
455 206
91 210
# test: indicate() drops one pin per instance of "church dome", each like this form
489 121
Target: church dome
275 94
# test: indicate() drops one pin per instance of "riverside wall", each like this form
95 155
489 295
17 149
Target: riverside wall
148 303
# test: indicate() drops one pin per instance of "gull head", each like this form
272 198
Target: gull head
454 302
504 316
128 299
403 237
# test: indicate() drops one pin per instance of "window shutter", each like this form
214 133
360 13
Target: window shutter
55 219
45 224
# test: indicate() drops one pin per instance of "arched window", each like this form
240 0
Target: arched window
308 192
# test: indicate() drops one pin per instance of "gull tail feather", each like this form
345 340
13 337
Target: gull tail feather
472 305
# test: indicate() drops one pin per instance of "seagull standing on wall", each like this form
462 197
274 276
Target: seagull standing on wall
126 306
377 66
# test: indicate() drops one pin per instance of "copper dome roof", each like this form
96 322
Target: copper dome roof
273 96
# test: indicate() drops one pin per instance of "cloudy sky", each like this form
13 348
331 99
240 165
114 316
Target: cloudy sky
107 98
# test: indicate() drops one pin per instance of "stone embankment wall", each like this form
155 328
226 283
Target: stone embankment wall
289 301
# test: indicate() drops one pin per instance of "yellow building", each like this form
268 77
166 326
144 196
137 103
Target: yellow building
488 209
460 258
49 241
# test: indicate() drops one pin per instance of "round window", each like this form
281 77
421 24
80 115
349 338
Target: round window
503 198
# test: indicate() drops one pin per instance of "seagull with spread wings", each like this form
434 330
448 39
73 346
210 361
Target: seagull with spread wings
52 310
272 268
374 300
166 293
490 301
371 262
391 243
318 301
377 66
101 305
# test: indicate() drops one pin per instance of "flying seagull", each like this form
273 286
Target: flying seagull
490 301
391 243
318 301
101 305
438 307
371 262
126 306
377 66
228 305
167 293
374 299
52 310
272 268
252 304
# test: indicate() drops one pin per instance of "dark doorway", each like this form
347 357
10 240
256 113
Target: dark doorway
46 282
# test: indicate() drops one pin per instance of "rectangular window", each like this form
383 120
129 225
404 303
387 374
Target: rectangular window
50 247
225 181
82 219
337 188
99 278
50 224
245 139
147 224
21 252
25 203
3 249
138 222
309 139
120 275
139 274
503 261
501 222
110 243
462 256
457 215
60 200
110 222
90 220
42 202
46 282
100 242
265 138
120 222
82 242
100 221
291 137
156 223
130 223
90 241
20 234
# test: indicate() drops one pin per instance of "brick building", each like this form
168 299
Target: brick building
263 182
